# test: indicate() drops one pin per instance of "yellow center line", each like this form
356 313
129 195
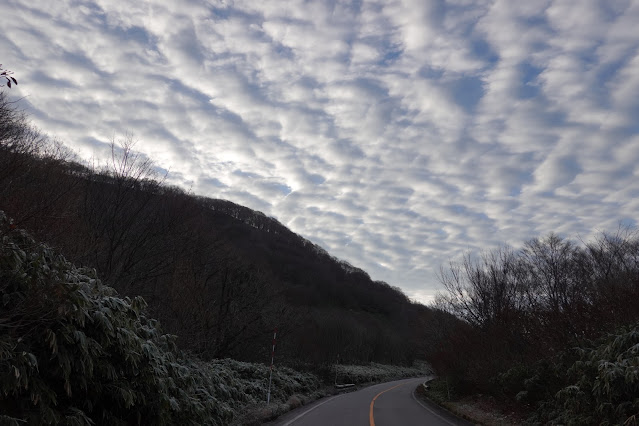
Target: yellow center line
371 418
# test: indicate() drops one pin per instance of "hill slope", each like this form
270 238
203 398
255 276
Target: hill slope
219 275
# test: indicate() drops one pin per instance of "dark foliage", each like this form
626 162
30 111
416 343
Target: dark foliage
73 352
524 311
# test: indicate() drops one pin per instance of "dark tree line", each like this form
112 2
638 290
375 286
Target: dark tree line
519 307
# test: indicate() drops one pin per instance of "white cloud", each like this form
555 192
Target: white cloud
397 134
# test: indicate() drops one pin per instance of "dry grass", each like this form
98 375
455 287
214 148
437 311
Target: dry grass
486 411
478 409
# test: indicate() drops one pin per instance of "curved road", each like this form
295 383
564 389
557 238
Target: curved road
386 404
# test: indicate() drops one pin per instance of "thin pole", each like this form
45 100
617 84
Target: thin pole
270 377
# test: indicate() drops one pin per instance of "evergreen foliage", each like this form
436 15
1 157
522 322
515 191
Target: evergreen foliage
374 372
602 385
73 352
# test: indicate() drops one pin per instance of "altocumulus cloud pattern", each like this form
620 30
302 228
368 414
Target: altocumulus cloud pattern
395 134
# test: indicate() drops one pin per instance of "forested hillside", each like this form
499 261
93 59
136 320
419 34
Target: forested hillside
218 275
74 352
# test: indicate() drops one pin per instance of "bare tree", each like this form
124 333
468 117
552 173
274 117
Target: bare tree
484 292
121 211
612 270
33 176
19 141
550 263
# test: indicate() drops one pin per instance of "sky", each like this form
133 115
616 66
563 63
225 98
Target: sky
395 134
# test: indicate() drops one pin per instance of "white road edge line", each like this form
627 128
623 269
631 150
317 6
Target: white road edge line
290 422
431 410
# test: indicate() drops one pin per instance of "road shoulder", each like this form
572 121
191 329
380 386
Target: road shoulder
475 409
453 418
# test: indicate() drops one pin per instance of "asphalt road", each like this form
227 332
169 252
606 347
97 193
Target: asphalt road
386 404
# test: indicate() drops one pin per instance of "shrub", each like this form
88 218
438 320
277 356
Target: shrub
73 352
603 384
358 374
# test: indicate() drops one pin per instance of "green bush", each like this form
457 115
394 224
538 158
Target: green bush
73 352
374 372
536 383
602 385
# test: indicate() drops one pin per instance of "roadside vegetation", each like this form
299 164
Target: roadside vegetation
373 373
553 327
